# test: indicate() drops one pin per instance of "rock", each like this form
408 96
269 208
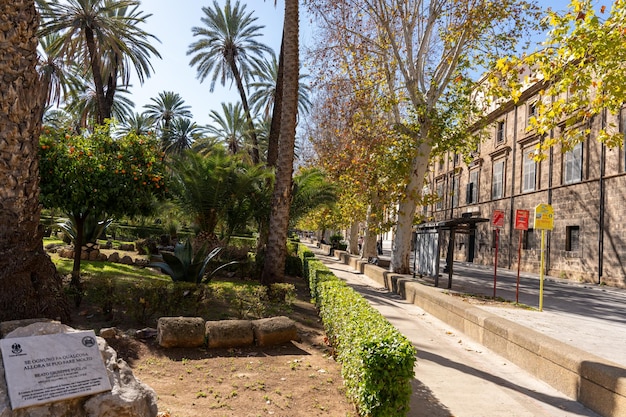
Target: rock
94 255
229 333
7 327
108 332
180 332
127 398
102 257
114 257
127 260
129 247
274 331
142 262
146 333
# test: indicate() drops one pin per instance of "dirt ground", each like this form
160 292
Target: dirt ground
296 379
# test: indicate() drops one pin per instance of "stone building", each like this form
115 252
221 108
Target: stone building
586 186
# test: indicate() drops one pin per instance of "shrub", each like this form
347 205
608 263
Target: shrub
377 361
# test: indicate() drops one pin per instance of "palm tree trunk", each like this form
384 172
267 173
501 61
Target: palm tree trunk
97 76
274 268
272 145
29 284
246 109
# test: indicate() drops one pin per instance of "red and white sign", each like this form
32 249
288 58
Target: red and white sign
497 218
521 219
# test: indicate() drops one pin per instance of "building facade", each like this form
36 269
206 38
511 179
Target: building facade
585 185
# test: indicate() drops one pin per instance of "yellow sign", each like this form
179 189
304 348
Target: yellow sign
544 217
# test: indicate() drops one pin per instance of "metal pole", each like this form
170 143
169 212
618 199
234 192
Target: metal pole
495 263
543 235
519 262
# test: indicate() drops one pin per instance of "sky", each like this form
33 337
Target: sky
171 23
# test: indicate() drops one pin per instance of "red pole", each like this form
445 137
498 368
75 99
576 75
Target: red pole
495 264
519 262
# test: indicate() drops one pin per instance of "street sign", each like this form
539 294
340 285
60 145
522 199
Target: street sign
544 217
521 219
497 218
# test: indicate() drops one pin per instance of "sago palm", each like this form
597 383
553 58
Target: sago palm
227 50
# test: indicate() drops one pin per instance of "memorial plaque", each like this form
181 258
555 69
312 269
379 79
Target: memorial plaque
47 368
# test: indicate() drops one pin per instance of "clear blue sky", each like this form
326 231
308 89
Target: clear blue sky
171 22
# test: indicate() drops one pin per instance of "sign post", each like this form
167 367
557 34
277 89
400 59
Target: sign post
521 224
544 220
497 220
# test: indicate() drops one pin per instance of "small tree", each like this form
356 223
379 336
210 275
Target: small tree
85 174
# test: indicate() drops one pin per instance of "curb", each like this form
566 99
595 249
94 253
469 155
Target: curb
595 382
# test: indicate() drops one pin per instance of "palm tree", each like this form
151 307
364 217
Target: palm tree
104 37
227 50
265 90
274 267
230 127
30 286
83 103
138 123
181 135
166 107
310 191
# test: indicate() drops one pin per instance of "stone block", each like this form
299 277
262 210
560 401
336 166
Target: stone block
229 333
274 331
180 332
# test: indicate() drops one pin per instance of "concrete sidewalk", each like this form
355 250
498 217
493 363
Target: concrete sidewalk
458 375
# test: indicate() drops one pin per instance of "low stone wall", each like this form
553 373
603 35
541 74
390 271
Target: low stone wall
595 382
196 332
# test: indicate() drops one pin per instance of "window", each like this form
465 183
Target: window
529 170
573 164
500 132
497 190
441 165
471 196
439 204
532 112
572 236
528 239
455 190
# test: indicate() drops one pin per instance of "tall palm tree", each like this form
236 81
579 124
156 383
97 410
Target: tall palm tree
167 107
104 37
181 135
230 127
227 49
30 286
276 254
262 99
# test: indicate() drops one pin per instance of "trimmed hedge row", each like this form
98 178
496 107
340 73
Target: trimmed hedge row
376 360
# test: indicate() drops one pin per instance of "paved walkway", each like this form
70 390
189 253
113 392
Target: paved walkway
457 377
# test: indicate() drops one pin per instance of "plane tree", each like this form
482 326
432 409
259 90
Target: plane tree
581 67
430 50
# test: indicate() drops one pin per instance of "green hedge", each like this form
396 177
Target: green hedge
377 361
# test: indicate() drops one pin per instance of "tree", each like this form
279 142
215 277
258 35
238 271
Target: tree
167 107
84 175
105 38
227 49
230 127
429 50
581 68
276 254
217 188
311 191
29 283
181 135
139 124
